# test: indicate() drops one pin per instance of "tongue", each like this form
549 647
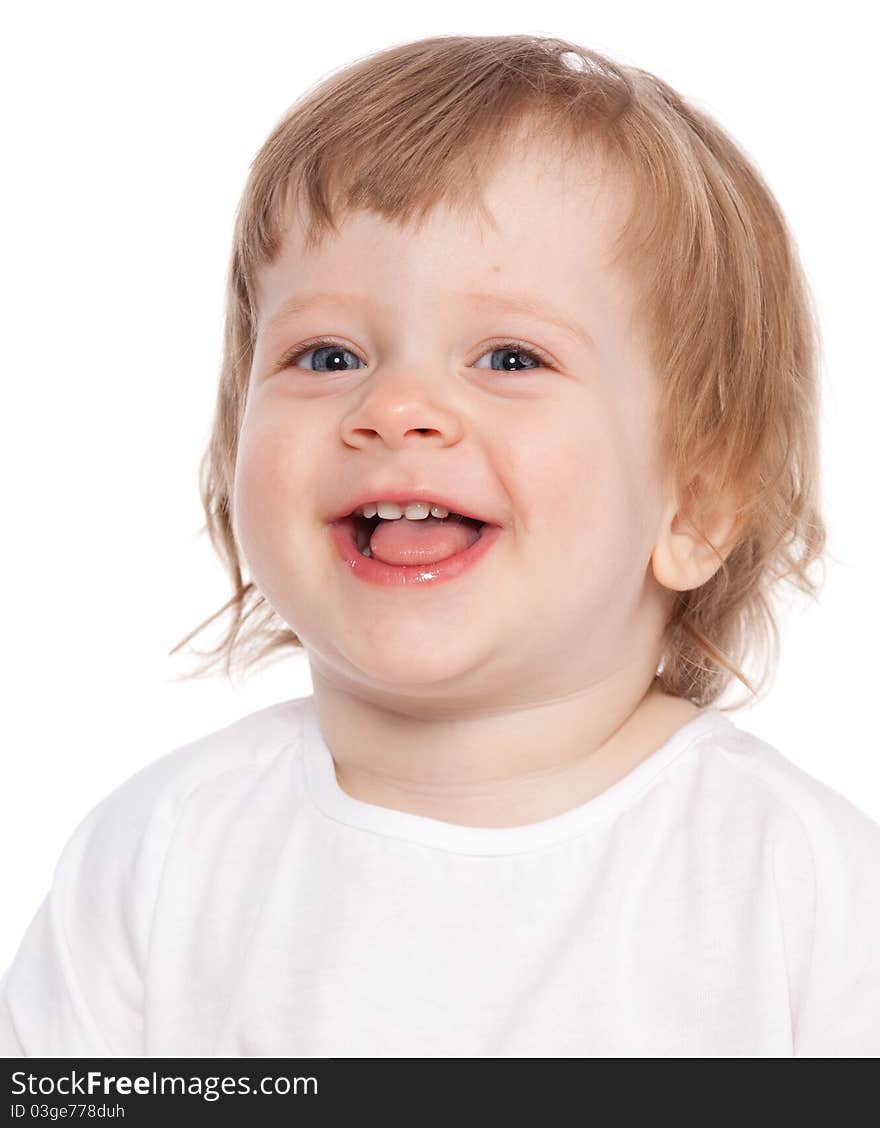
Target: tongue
421 542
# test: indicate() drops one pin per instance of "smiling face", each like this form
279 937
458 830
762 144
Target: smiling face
542 422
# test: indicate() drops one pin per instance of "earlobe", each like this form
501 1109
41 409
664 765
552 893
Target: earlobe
682 558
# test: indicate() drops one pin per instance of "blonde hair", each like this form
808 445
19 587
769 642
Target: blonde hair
734 333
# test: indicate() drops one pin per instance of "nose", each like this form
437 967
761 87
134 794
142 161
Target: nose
397 412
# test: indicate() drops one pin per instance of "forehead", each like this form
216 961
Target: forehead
547 241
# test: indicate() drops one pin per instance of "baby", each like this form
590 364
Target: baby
517 430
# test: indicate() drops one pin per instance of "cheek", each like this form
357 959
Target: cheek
598 517
270 487
565 472
615 493
579 497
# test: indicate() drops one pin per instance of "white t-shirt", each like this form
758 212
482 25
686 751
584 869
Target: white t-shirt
230 899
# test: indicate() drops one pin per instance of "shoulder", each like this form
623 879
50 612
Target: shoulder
829 825
122 842
242 745
759 804
88 944
130 828
825 853
242 748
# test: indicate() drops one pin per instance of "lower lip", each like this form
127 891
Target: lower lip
373 571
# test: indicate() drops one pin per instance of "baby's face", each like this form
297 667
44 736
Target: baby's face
553 440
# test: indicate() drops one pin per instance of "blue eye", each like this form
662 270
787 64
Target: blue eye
324 351
510 353
330 353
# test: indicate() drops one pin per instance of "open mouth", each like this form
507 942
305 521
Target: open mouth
411 553
461 529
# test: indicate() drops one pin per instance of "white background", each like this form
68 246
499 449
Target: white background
129 131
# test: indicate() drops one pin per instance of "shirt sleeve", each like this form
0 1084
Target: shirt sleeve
839 1014
75 986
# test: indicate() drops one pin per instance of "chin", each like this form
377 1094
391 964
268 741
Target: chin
411 665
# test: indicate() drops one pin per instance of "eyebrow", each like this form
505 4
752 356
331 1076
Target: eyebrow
515 303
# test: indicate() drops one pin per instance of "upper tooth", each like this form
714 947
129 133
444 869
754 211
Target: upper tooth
414 510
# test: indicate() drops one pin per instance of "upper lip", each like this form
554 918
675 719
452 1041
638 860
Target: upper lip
401 497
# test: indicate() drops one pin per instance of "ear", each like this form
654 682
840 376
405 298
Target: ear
682 560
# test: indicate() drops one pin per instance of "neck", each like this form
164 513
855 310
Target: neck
504 767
